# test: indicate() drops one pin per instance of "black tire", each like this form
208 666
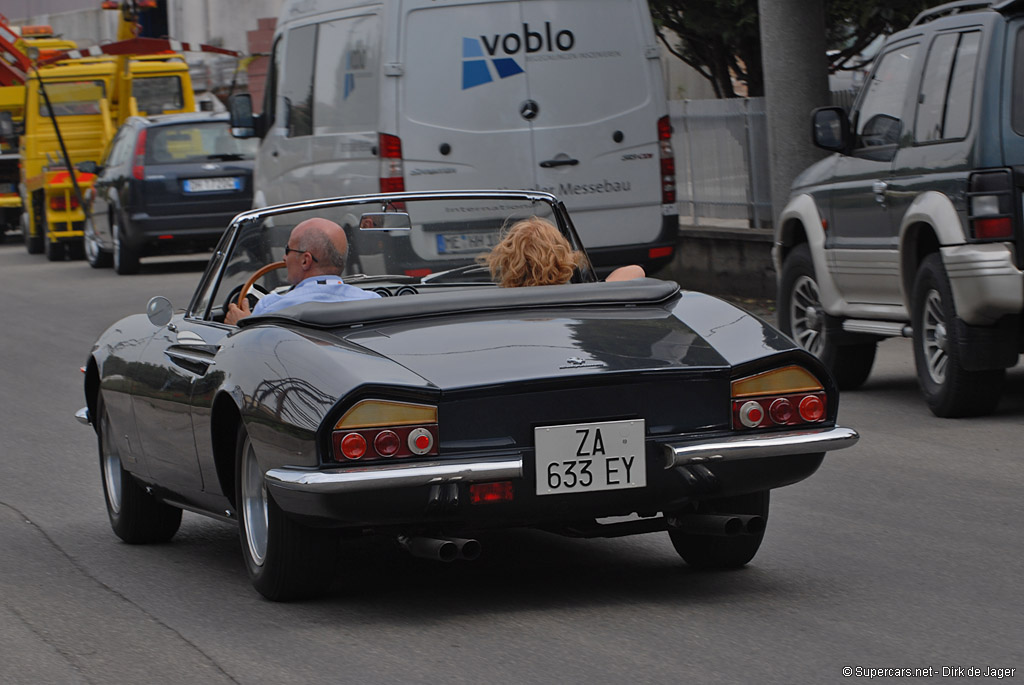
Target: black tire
802 318
33 243
949 389
285 559
136 516
94 254
720 551
126 257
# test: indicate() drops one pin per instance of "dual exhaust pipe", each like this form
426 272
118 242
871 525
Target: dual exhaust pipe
726 525
441 549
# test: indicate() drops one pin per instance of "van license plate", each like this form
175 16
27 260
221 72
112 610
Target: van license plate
454 243
203 185
587 457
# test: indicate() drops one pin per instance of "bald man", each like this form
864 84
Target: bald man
315 258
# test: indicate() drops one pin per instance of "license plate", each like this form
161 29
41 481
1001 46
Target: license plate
587 457
202 185
454 243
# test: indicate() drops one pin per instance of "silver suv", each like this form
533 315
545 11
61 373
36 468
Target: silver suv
915 225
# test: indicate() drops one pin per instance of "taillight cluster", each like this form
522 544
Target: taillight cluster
62 203
139 160
668 161
392 172
380 429
788 396
991 206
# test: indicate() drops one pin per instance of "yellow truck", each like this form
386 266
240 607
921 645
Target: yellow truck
15 64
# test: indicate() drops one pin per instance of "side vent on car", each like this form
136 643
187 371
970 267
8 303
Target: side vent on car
781 397
382 429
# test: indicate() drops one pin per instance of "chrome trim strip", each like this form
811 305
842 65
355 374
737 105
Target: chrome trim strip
336 481
82 415
762 445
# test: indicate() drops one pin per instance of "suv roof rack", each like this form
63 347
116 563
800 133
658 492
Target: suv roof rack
951 8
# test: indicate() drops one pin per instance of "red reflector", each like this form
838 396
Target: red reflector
386 443
60 204
656 252
418 273
165 237
812 408
353 446
395 184
993 228
480 493
422 442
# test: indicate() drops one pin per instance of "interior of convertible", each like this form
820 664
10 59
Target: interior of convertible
395 248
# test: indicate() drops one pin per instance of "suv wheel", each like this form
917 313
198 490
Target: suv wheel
949 389
802 318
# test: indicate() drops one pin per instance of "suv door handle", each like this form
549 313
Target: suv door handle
879 187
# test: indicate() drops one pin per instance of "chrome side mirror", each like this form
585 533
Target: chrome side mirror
159 311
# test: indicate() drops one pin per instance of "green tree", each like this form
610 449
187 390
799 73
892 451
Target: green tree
721 39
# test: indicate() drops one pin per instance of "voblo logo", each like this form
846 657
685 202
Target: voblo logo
477 52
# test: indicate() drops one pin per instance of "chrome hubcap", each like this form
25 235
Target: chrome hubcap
935 339
254 506
806 317
111 467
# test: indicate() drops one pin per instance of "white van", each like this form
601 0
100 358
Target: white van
564 96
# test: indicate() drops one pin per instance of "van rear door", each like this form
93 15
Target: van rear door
593 79
460 97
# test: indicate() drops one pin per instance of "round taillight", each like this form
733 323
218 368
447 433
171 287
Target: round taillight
386 443
781 411
751 414
420 441
812 408
353 446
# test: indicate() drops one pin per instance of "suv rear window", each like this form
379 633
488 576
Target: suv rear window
197 142
1017 116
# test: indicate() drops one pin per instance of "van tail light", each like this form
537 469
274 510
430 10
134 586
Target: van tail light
990 204
139 163
790 396
379 429
667 159
392 171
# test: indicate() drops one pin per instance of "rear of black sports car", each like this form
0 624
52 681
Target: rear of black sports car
561 417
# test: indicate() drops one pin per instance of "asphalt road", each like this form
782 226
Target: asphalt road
903 552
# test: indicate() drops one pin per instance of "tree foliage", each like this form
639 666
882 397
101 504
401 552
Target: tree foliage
721 39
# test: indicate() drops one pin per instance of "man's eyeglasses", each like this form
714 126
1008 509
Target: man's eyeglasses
288 249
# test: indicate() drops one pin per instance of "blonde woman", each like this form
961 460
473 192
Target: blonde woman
534 252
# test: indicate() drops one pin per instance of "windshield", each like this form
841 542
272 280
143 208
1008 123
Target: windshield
419 243
196 142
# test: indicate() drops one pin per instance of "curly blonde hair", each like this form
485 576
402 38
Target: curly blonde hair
532 252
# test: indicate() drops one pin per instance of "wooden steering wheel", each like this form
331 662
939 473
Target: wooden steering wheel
255 277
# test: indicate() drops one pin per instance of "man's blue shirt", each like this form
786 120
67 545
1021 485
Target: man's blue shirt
312 289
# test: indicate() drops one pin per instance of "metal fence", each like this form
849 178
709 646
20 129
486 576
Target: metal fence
722 173
722 165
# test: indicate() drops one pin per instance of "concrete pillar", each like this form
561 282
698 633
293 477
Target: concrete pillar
795 82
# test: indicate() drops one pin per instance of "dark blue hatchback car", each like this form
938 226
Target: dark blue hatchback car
167 184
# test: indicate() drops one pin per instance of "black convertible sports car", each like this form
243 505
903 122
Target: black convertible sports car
450 405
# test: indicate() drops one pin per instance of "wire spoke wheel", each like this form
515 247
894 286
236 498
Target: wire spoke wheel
805 316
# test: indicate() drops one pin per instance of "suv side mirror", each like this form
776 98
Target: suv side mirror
830 129
243 121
